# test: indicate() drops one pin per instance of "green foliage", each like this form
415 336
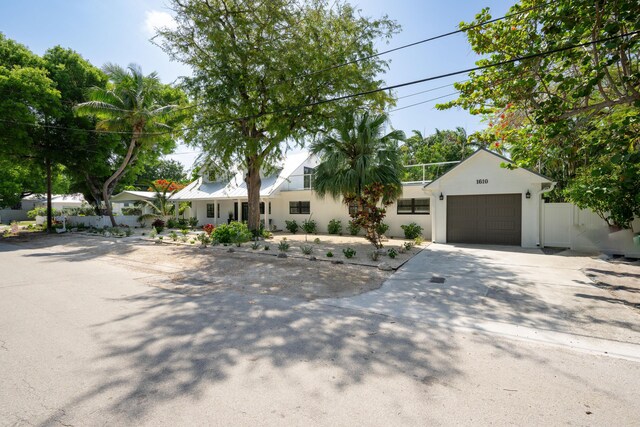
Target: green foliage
418 240
167 169
353 227
329 254
335 226
173 235
153 233
158 225
578 118
358 153
349 252
411 231
204 239
306 249
408 245
309 226
316 240
283 246
193 222
442 146
135 103
292 226
255 246
261 60
372 212
234 232
132 211
392 253
41 211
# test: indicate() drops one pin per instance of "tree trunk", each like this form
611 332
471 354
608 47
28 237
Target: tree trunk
254 182
111 182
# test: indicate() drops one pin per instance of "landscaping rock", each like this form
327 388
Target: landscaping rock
312 258
384 266
231 250
337 261
282 255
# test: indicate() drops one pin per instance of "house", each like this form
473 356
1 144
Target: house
288 194
481 201
128 199
32 201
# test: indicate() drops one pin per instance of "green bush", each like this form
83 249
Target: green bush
42 211
306 249
235 232
353 228
129 211
335 226
193 222
172 223
292 226
329 254
382 228
392 253
349 252
309 226
411 231
283 246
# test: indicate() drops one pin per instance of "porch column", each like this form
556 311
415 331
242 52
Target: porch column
177 209
266 214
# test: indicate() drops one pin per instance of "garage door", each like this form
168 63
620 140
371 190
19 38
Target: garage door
494 219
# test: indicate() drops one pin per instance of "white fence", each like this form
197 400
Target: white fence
8 215
567 226
96 221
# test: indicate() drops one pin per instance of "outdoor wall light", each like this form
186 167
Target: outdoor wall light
528 195
441 196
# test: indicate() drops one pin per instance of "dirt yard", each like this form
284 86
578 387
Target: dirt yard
194 270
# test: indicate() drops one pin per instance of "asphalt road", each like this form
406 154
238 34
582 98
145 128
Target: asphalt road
85 342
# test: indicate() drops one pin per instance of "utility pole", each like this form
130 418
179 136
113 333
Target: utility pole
49 221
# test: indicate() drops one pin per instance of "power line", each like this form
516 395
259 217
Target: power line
424 102
369 92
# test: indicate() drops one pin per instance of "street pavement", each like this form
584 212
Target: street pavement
510 337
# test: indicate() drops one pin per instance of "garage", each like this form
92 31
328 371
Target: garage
494 219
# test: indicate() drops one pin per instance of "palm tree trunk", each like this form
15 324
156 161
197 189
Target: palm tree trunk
110 183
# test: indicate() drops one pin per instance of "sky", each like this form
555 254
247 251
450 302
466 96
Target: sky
119 31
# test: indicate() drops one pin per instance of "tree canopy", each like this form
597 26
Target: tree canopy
256 66
573 114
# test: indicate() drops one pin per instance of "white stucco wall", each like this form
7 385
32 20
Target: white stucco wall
463 180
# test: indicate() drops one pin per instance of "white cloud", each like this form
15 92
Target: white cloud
154 19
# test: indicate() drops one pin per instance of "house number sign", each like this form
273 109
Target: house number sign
482 181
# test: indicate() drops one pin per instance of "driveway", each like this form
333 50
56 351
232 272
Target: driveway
512 292
87 342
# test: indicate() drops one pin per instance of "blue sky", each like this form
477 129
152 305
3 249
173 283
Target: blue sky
118 31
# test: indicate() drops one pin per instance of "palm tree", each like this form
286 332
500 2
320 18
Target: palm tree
131 103
358 153
160 205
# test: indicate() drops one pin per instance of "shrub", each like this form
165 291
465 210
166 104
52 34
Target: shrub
183 239
158 224
411 231
184 231
349 252
354 228
316 240
418 240
193 222
306 249
335 226
173 235
128 232
255 246
309 226
172 223
292 226
208 228
392 253
234 232
183 223
283 246
42 211
204 239
382 228
408 245
267 247
153 233
131 211
329 254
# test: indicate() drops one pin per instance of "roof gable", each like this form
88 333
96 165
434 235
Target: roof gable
484 155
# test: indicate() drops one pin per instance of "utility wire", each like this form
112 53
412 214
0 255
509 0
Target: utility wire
369 92
424 102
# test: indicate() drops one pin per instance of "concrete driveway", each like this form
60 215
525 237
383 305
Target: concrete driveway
511 292
86 342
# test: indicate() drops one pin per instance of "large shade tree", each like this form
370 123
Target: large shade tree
140 109
257 67
573 114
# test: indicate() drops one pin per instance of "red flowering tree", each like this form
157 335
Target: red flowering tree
164 185
372 210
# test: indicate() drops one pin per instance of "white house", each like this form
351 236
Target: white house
128 199
58 202
288 195
481 201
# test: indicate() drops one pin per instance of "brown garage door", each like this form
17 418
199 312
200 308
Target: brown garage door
494 219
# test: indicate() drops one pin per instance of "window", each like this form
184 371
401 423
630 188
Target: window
299 208
353 208
269 209
413 206
308 175
218 211
210 210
